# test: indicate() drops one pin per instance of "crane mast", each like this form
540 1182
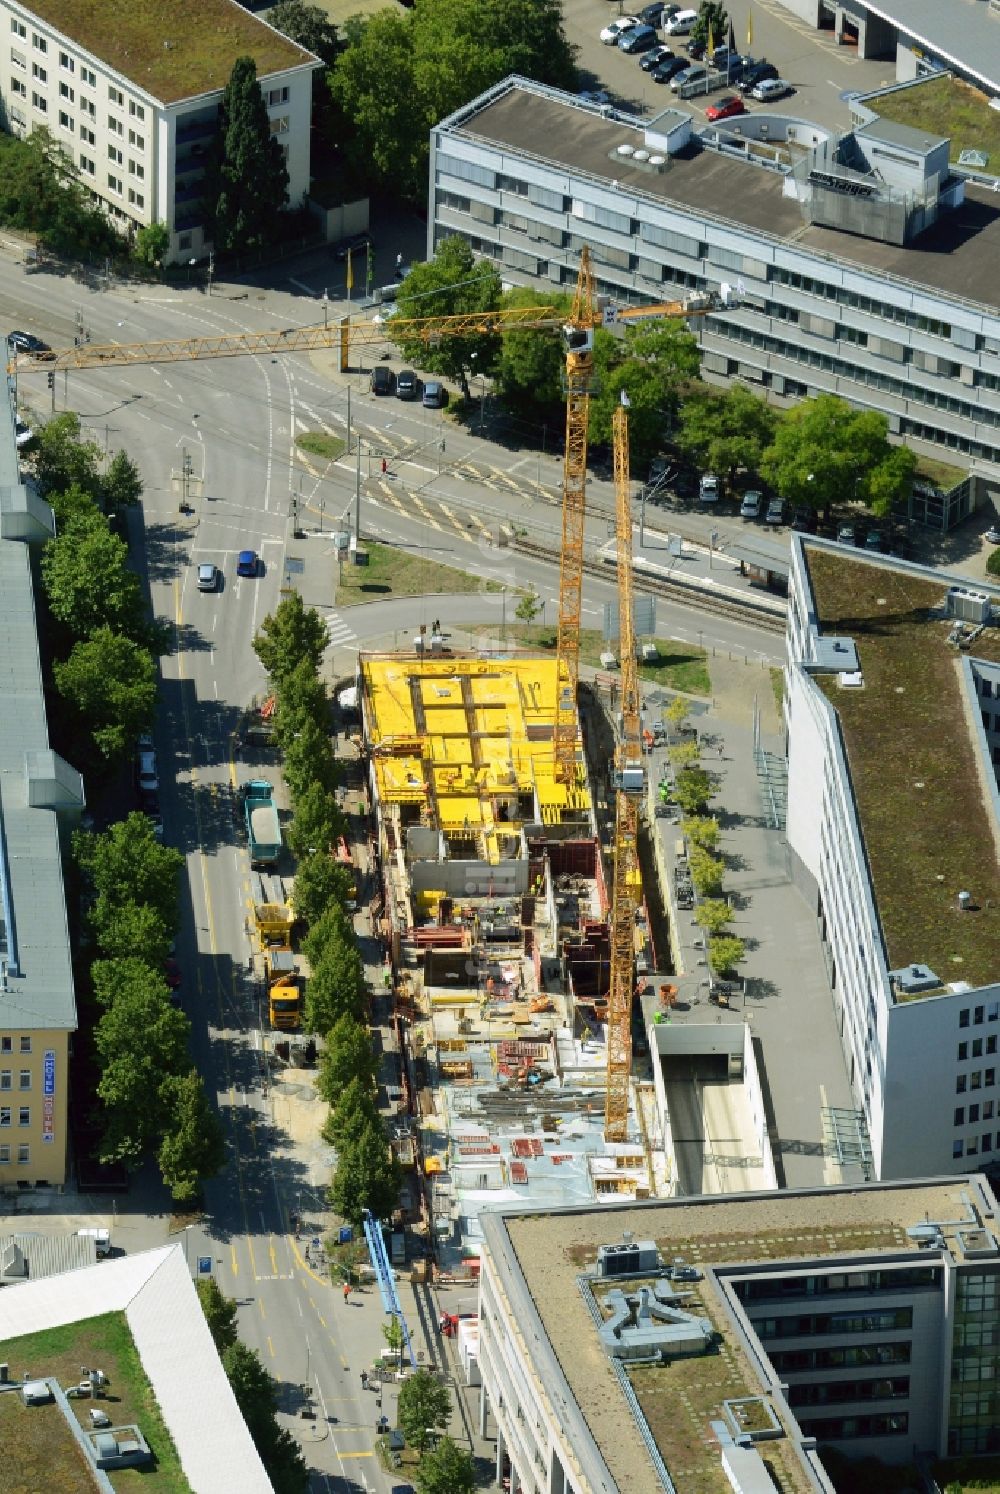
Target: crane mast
578 336
629 780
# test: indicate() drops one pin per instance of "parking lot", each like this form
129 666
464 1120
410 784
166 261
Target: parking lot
818 69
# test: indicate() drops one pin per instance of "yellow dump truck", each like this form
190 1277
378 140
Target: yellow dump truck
284 988
272 913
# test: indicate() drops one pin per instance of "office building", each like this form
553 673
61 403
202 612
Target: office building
131 93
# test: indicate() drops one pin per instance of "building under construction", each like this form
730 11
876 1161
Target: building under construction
496 906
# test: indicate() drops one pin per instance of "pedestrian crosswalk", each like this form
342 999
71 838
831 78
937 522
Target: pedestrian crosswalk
339 633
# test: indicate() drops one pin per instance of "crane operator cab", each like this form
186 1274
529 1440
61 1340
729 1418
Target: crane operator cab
578 339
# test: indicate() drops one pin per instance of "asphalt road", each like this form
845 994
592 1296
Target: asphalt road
235 421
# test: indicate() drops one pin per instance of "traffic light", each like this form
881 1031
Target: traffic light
52 380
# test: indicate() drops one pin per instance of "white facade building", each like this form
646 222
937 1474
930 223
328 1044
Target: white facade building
132 93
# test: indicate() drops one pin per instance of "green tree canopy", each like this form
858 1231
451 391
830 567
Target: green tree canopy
290 637
124 865
651 364
401 72
726 429
131 929
319 881
353 1108
447 285
693 790
256 1396
247 181
193 1146
725 952
713 21
140 1040
111 682
337 984
41 193
317 822
448 1469
825 452
531 366
309 25
88 584
219 1310
302 697
424 1405
121 486
310 759
152 241
128 977
367 1177
348 1056
64 459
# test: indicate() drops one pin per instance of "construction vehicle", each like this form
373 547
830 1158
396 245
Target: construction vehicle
346 861
284 989
272 913
261 817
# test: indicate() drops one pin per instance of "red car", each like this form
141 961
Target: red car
172 974
726 108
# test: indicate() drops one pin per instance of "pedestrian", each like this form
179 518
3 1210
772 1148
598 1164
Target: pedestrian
364 1379
399 261
347 1292
385 466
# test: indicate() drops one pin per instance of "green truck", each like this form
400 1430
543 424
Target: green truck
263 828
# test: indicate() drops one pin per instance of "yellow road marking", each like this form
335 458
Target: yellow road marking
321 1319
270 1347
354 1454
260 1303
234 1263
419 502
460 528
274 1258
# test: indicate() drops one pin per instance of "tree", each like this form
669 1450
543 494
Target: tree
309 25
310 759
87 581
530 368
337 985
824 451
693 789
394 1337
678 711
449 1469
712 22
317 822
701 831
122 483
140 1040
289 637
219 1310
651 364
706 872
725 952
712 914
126 976
424 1404
301 698
726 430
151 243
257 1399
684 754
133 930
319 881
193 1147
41 193
127 864
111 681
352 1110
529 606
247 181
348 1056
367 1177
454 281
63 460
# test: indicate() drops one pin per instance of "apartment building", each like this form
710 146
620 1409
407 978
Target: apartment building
41 797
853 263
726 1344
131 93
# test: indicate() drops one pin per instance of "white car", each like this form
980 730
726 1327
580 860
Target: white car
24 433
614 29
770 88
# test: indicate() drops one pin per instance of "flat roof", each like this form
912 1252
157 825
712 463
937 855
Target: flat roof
916 769
955 258
481 728
174 51
544 1253
962 32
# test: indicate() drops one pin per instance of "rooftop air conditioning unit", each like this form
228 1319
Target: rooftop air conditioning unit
625 151
969 605
641 155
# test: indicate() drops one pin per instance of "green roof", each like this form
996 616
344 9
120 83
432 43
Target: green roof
176 50
928 829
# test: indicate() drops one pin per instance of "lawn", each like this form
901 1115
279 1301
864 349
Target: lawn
914 769
944 106
679 666
38 1450
321 444
943 474
401 573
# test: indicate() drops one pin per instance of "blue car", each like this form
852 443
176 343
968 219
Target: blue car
246 563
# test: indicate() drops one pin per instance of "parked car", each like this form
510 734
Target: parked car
147 779
775 511
349 246
750 507
383 380
681 23
757 74
652 15
209 576
27 342
407 384
614 29
669 69
435 395
708 488
769 89
726 107
637 39
875 540
696 74
172 973
654 58
247 563
846 534
696 50
22 433
804 519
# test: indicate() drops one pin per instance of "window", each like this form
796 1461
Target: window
66 62
19 87
279 126
6 1079
137 111
115 126
136 198
89 107
18 60
24 1079
963 1052
277 96
991 1043
65 121
977 1047
6 1044
65 92
986 1141
114 154
115 183
963 1017
987 1110
956 1149
980 1015
18 28
25 1045
37 71
38 42
23 1154
135 168
24 1115
87 165
116 96
4 1115
960 1085
973 1114
976 1079
990 1078
88 76
88 135
39 103
138 142
4 1154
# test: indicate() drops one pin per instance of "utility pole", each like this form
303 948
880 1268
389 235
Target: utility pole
211 269
348 420
326 307
357 496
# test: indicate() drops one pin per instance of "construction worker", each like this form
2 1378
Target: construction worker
347 1292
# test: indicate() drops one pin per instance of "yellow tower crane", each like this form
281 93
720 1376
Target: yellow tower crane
629 782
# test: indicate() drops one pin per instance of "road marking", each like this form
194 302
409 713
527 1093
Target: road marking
270 1346
234 1264
260 1303
357 1454
322 1319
